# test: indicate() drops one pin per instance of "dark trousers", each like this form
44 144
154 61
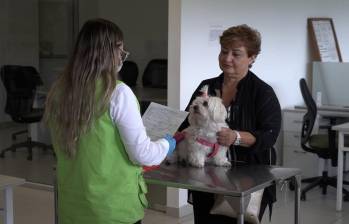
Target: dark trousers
202 204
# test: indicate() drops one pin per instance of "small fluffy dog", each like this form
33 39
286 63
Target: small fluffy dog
198 143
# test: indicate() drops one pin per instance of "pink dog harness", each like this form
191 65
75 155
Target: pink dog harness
179 136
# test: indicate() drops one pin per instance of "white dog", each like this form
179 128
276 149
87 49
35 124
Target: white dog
199 143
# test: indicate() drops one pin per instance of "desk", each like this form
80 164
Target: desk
329 111
238 182
326 108
6 184
292 153
343 129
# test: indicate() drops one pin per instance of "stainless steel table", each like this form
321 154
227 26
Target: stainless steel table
6 184
237 182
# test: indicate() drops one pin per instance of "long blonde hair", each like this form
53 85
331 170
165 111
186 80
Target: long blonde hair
72 103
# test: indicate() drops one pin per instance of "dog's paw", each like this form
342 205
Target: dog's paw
169 161
199 165
222 162
182 162
196 162
227 164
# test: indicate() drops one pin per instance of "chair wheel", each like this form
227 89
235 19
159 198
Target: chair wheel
303 197
346 197
291 186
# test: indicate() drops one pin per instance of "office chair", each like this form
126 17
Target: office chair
323 145
20 83
143 105
129 73
155 74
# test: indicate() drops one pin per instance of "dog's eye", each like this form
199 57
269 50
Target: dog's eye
205 103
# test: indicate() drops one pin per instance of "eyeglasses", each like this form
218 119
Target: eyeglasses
124 54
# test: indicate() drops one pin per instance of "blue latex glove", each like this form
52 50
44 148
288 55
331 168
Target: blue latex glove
171 142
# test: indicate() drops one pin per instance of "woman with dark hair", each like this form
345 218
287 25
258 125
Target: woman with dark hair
98 134
254 114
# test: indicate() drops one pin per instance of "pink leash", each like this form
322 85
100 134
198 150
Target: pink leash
214 146
179 136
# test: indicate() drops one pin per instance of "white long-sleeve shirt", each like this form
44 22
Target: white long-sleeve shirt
125 114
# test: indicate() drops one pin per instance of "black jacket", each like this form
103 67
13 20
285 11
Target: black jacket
256 109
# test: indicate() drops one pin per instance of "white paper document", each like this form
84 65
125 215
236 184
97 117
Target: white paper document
160 120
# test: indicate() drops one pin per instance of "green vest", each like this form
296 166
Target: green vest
101 184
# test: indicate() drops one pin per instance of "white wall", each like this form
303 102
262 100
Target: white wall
19 32
19 42
174 53
56 32
87 9
285 56
144 24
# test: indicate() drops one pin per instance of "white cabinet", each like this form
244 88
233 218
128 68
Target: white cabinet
293 154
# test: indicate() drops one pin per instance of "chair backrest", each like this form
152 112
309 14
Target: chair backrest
129 73
144 104
20 83
155 74
310 116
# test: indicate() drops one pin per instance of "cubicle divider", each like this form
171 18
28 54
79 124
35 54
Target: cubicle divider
330 83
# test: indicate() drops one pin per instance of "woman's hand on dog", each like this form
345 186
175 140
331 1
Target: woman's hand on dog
226 137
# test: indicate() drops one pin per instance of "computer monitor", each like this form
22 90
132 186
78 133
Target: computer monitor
330 82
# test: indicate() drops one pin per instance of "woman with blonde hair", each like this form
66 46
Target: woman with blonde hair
98 134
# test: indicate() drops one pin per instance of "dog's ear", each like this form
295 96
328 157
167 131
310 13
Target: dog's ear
218 111
204 91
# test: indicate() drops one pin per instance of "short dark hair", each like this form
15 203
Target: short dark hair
242 35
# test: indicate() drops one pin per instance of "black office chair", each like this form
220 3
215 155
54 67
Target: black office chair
155 74
144 104
323 145
129 73
20 83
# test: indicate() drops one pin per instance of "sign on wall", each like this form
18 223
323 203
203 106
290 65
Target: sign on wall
324 39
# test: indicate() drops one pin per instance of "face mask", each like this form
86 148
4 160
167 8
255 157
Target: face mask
120 66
